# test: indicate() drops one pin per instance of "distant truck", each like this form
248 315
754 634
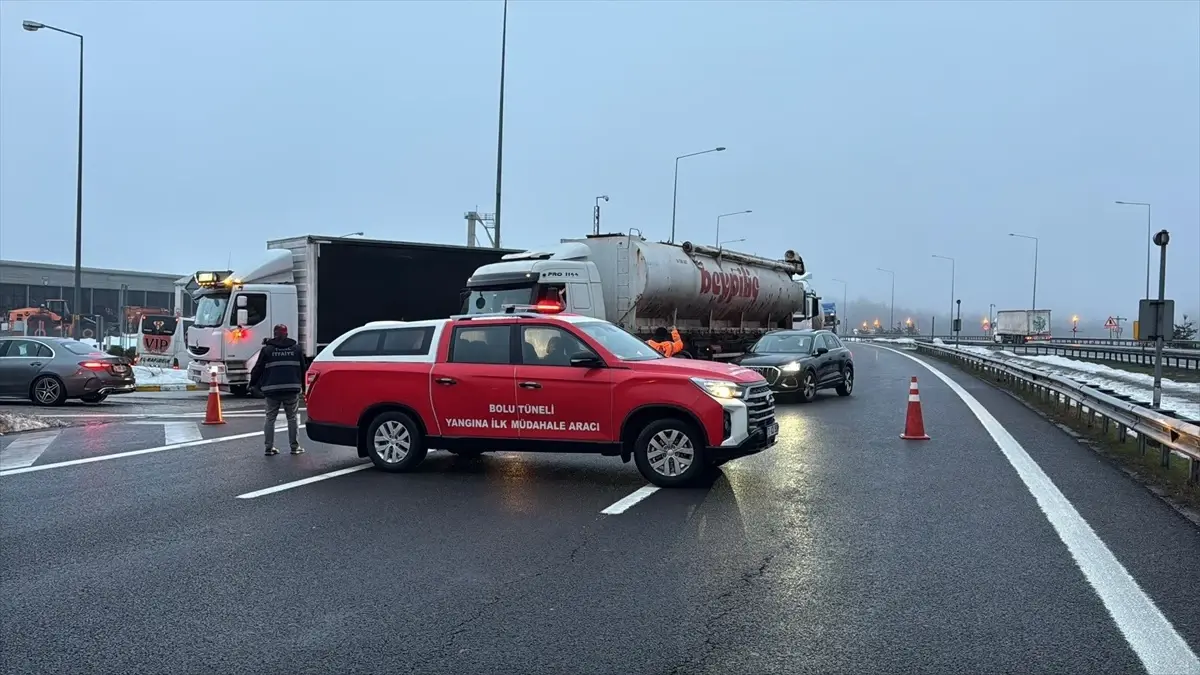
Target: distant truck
1021 325
320 287
163 342
721 301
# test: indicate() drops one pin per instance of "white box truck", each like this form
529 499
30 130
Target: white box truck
1022 325
320 287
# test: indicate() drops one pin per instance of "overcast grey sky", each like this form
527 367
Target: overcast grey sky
861 134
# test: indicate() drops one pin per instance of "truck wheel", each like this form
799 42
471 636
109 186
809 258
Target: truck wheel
670 453
394 442
808 387
846 387
239 390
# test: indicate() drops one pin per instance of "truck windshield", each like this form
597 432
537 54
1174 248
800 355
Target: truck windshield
622 345
783 343
210 311
491 300
159 324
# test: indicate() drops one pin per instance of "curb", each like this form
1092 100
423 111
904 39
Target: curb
168 387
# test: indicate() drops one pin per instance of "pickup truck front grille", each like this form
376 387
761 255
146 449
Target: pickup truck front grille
760 406
769 373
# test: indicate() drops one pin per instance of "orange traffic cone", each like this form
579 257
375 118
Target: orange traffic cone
213 414
914 425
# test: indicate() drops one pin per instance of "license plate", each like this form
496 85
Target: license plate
119 369
772 430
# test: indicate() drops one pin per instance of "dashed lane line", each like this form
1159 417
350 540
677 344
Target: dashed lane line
134 453
305 481
1149 633
622 505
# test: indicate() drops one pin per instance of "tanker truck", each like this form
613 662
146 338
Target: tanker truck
721 301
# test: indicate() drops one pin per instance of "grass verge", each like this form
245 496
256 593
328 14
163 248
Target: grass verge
1170 483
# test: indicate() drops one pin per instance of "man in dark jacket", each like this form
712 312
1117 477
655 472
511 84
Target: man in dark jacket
279 375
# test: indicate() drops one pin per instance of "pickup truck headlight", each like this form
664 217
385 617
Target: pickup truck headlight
719 388
793 367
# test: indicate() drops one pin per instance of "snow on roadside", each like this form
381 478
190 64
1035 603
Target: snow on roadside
148 375
14 422
1182 397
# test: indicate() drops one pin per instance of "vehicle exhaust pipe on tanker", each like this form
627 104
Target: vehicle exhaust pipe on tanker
721 301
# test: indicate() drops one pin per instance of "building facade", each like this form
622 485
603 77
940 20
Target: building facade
106 293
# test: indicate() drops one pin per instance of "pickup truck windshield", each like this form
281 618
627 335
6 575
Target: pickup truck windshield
210 311
491 300
622 345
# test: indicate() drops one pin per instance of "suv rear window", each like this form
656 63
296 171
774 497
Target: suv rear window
387 342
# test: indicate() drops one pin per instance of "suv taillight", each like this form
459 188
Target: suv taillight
310 379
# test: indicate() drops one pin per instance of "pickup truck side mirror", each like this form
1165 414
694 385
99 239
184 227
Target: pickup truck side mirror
243 317
586 360
822 350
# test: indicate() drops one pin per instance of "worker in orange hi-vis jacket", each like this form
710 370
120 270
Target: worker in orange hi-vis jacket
667 344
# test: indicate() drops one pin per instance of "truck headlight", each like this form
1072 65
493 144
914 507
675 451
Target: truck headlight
793 367
719 388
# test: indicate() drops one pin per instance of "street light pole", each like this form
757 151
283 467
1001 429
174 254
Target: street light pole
675 189
1148 241
500 126
596 215
892 313
1035 264
845 307
726 215
77 301
951 285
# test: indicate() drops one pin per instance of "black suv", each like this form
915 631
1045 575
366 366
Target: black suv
801 362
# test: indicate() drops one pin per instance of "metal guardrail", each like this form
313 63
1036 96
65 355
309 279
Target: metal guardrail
1107 342
1168 433
1136 354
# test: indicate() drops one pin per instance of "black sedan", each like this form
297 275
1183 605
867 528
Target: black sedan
801 362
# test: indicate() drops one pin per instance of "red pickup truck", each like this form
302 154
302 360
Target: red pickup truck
530 381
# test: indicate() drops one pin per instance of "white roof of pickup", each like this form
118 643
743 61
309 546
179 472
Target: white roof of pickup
404 324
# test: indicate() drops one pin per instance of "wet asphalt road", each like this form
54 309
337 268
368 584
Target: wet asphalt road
841 550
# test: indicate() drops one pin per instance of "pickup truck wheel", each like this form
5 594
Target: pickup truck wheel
846 387
394 442
669 453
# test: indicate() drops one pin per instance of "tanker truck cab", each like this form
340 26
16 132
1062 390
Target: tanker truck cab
232 320
559 279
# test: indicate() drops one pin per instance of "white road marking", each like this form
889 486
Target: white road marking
305 481
626 502
1150 634
176 432
26 449
134 453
